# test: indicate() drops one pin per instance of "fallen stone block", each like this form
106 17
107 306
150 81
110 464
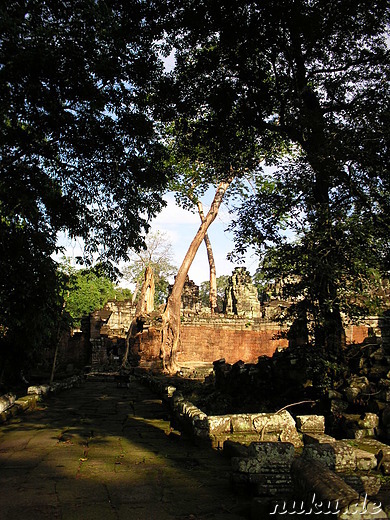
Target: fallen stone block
310 423
6 401
317 438
281 425
336 456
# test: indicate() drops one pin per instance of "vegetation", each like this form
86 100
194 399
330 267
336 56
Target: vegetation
79 151
307 84
88 290
91 130
157 255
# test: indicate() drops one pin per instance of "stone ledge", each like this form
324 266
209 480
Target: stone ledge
35 394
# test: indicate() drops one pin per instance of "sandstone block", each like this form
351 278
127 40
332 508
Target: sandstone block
365 460
38 390
310 423
6 401
337 456
369 421
242 423
219 424
317 438
282 424
259 465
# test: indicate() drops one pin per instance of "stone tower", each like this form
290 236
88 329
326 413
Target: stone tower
241 296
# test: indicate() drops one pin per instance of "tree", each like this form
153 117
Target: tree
79 150
87 290
188 186
158 255
170 339
310 78
204 291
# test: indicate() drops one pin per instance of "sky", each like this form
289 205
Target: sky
181 226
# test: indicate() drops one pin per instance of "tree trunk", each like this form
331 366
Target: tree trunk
170 336
58 337
213 272
145 305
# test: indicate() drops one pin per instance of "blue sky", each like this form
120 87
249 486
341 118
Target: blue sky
181 226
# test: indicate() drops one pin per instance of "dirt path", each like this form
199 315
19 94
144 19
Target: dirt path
102 452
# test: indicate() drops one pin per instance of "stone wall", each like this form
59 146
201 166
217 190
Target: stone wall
245 331
233 339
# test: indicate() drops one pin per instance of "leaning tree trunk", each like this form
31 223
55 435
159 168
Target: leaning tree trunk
170 336
145 305
213 272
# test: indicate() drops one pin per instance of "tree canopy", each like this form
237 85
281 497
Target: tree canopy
80 151
306 84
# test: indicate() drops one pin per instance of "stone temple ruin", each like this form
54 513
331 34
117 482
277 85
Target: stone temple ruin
335 458
244 331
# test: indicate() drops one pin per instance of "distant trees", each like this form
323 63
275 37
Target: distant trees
87 290
157 255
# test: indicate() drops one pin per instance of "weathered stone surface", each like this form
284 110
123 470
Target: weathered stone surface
310 423
242 423
38 390
337 456
241 295
219 424
260 465
6 401
365 460
273 453
369 421
270 485
281 424
317 438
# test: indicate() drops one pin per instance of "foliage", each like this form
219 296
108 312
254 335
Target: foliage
310 79
79 150
204 290
87 290
158 255
123 293
30 299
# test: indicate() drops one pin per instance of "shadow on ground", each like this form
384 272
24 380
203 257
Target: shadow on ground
102 452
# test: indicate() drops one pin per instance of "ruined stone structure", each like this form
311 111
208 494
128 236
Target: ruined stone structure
241 296
245 331
108 329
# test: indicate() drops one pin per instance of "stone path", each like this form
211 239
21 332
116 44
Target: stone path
102 452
